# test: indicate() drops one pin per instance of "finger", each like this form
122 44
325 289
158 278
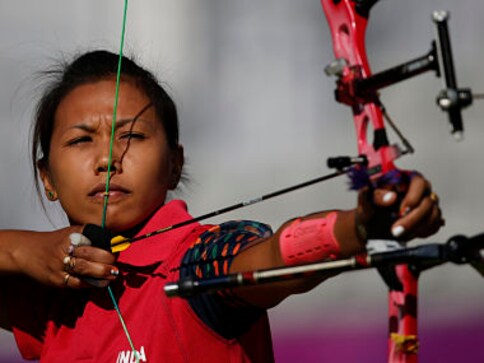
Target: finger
418 188
431 225
69 281
96 282
410 222
73 282
78 239
88 269
94 254
384 198
69 263
80 267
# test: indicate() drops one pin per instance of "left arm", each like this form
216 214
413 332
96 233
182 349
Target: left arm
420 216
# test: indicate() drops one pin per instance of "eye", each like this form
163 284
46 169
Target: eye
132 135
78 140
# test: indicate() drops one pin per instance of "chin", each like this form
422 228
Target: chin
125 226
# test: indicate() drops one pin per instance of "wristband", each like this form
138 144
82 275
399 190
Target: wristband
310 240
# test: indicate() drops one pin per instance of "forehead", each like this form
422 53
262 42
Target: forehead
95 100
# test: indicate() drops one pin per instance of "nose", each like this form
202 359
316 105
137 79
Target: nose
103 161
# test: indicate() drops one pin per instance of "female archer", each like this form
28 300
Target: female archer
54 297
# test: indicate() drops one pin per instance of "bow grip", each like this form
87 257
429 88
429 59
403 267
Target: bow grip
398 181
99 236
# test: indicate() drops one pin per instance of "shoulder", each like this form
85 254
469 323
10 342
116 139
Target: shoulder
212 251
224 241
239 229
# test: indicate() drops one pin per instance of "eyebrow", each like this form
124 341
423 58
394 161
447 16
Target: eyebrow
123 122
119 123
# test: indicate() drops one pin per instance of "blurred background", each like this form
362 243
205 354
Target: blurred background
257 114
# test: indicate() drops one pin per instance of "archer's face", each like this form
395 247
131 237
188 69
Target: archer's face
143 166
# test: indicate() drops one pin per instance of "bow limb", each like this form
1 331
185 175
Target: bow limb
348 20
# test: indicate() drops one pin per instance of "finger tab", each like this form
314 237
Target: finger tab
100 237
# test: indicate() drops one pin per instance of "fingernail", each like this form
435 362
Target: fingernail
114 272
388 197
397 231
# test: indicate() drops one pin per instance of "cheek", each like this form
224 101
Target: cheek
68 170
159 172
151 168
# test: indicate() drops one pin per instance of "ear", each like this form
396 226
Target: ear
177 161
49 186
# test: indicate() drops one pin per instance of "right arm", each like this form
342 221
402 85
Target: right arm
40 257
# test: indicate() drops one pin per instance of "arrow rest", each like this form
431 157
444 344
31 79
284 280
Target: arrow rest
343 162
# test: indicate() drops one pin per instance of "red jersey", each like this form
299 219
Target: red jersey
82 326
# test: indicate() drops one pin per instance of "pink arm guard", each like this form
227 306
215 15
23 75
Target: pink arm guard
309 240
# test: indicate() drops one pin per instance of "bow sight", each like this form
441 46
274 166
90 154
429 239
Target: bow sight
354 89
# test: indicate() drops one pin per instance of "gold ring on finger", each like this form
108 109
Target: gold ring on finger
434 197
66 279
72 263
67 262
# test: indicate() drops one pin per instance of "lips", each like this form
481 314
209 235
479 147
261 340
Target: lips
116 191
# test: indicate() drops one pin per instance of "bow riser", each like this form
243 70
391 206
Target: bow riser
348 30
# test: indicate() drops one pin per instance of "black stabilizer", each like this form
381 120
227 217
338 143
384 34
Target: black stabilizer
461 249
100 237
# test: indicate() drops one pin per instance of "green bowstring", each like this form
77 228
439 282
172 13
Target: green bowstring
108 176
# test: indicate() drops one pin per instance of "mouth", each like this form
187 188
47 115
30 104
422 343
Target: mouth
116 192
